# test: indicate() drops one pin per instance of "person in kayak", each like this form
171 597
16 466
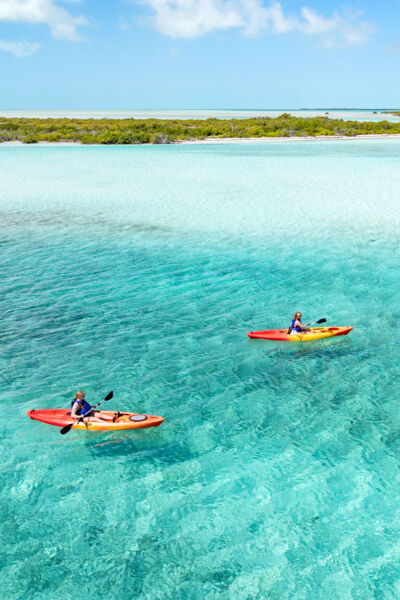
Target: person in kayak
80 408
296 325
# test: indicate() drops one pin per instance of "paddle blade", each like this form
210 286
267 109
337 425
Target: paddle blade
322 321
65 429
109 396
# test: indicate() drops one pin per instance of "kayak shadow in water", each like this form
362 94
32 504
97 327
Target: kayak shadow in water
317 348
160 452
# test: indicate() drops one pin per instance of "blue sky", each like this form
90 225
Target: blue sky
128 54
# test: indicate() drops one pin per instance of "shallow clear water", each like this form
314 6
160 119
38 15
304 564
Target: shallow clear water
356 114
140 269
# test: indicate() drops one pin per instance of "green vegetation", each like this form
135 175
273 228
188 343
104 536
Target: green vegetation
159 131
396 113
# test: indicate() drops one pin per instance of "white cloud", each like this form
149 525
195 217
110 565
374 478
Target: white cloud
277 20
357 34
62 24
123 24
315 24
338 30
19 49
194 18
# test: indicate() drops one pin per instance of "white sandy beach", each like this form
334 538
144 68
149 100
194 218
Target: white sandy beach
310 138
229 140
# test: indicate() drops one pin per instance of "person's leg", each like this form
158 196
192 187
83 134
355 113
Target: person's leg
97 417
101 416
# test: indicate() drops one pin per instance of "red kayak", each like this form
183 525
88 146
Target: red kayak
62 416
315 333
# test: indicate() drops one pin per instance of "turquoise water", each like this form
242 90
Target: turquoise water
140 270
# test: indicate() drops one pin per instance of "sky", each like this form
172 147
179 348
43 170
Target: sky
199 54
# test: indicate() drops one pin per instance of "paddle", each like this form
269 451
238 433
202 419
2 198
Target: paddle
66 428
316 322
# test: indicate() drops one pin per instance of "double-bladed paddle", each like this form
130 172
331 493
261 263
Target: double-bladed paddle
316 322
66 428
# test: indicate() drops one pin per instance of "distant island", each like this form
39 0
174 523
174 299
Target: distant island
165 131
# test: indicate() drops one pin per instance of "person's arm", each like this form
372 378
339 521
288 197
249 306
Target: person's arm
75 408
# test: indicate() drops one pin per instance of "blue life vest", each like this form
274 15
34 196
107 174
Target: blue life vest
292 327
83 410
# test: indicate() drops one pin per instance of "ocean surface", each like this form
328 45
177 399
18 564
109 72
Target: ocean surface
139 270
348 114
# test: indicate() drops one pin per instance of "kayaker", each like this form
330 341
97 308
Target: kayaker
80 408
296 325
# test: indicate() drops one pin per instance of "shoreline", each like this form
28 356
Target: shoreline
292 138
220 140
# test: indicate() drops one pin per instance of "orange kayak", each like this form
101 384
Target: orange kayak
315 333
62 416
